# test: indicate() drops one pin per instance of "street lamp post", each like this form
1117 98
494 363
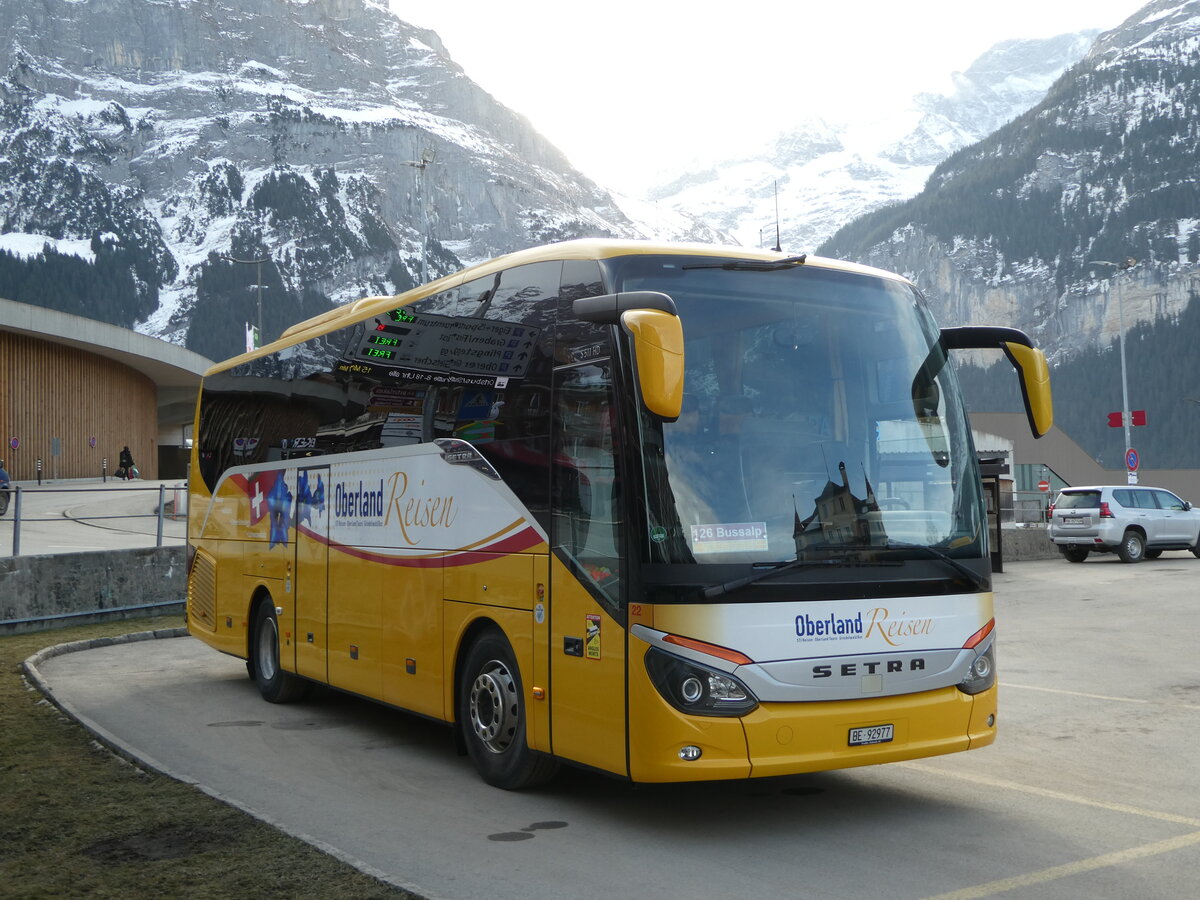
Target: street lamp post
1122 267
258 282
427 156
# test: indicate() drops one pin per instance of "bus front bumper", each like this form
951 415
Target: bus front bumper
793 738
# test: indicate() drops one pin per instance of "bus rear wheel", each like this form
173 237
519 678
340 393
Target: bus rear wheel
491 715
275 685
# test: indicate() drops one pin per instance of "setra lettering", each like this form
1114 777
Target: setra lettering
869 667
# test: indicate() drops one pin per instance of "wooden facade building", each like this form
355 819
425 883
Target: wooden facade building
74 392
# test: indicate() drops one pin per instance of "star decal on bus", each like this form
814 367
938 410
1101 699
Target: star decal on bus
279 504
308 499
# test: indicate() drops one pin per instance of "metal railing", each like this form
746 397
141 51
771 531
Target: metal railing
1025 507
178 508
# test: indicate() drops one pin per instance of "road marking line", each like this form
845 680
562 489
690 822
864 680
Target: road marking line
1084 865
1029 687
1053 795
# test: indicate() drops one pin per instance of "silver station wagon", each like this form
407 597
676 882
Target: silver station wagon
1133 521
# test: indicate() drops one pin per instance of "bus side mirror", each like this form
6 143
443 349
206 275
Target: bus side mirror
658 354
1027 359
650 320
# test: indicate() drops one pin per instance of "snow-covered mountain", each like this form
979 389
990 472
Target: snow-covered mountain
1078 217
147 144
1028 226
822 174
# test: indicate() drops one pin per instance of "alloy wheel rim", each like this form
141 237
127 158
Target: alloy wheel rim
268 648
493 707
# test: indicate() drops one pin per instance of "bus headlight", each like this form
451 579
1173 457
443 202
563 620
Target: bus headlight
982 674
696 689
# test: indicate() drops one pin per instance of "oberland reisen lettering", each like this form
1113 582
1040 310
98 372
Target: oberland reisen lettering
808 626
416 512
362 503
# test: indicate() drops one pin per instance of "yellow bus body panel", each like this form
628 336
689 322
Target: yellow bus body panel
537 727
787 738
657 732
587 697
355 634
495 579
983 718
412 630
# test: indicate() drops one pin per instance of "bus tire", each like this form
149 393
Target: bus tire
275 685
491 717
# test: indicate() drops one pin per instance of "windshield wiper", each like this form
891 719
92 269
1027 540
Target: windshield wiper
967 572
729 587
755 265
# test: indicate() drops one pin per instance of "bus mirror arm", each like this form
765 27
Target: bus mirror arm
1028 360
607 309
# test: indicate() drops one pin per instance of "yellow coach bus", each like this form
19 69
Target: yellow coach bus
672 512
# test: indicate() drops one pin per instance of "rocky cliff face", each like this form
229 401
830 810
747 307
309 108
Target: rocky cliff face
1034 226
967 283
340 145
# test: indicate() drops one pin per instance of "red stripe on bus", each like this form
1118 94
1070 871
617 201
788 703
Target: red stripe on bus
525 539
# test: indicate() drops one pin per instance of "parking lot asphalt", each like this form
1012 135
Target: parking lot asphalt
1089 791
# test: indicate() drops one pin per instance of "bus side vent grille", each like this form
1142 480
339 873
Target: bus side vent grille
202 591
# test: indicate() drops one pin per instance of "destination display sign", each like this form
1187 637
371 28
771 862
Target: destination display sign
441 349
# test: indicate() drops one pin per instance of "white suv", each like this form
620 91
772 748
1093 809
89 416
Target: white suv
1133 521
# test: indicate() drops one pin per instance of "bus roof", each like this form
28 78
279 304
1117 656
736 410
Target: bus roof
586 248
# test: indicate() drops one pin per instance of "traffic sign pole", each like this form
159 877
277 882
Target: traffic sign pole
1132 461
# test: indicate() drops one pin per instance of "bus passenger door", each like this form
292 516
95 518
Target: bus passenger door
311 578
587 640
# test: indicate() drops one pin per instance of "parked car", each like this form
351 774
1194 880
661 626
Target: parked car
1133 521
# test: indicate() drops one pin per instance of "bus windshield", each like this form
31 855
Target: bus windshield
820 421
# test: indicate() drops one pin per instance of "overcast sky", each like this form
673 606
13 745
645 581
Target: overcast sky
624 87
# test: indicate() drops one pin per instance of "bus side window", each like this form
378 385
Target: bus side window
587 526
510 425
578 341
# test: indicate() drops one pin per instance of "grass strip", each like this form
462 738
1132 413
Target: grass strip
77 820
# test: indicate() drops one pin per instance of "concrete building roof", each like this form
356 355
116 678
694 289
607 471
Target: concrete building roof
175 370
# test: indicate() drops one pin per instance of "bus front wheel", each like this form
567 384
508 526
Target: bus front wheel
276 685
491 714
